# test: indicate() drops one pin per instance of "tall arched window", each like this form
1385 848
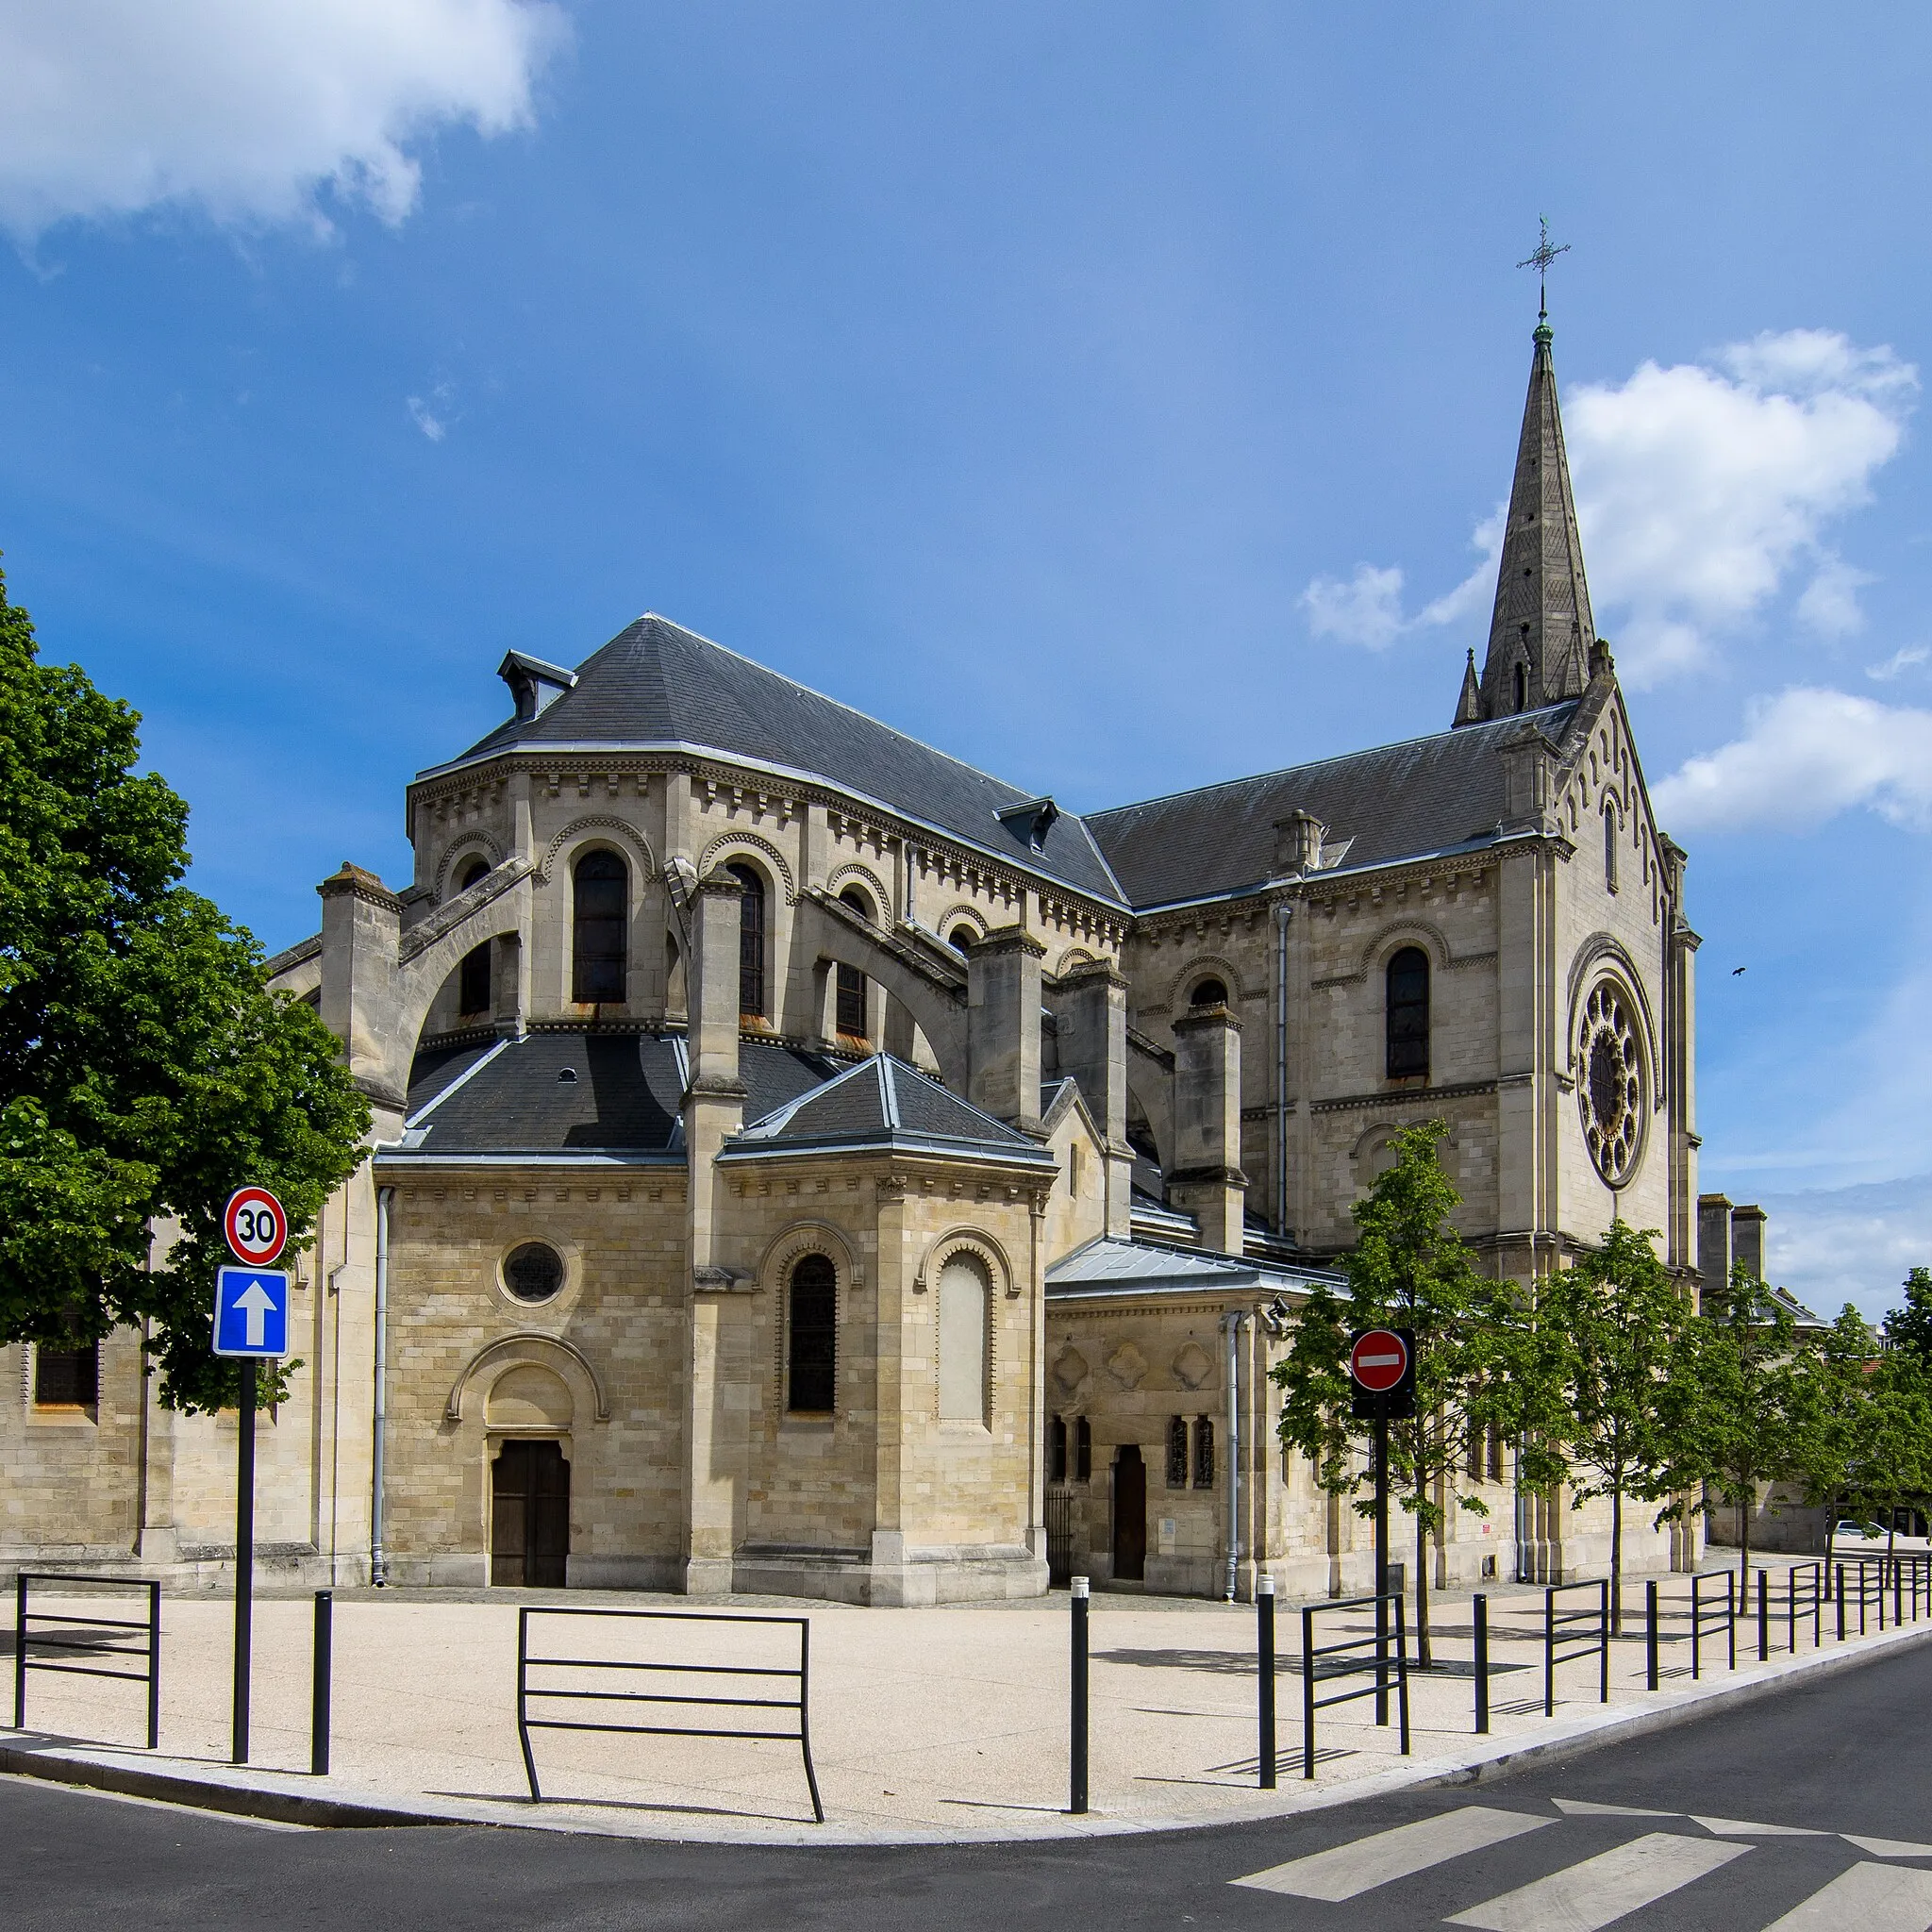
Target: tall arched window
811 1341
1057 1449
751 941
1610 847
1408 1013
965 1293
1210 992
1204 1452
1522 687
851 1015
1177 1452
472 987
601 896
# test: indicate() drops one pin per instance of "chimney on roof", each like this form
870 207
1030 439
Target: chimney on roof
1298 840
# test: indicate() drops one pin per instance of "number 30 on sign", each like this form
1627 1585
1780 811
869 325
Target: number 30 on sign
255 1224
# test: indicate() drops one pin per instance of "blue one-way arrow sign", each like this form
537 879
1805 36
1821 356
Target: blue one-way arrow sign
251 1311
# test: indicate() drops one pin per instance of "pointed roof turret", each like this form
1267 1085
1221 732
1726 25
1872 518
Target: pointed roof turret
1540 632
1469 707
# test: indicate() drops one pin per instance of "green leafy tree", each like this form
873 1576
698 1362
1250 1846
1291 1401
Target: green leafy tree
1409 1269
1908 1330
146 1071
1742 1402
1594 1402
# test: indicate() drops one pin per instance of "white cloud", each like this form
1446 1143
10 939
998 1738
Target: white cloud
1854 1244
433 422
1365 610
1829 603
1898 663
1702 490
1806 756
247 109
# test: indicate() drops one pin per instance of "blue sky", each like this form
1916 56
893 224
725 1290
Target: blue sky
1114 395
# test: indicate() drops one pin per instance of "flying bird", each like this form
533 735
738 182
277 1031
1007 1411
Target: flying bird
1736 969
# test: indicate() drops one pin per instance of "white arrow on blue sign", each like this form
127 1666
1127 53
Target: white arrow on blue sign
251 1311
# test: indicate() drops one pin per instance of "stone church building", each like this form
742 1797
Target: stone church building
806 1163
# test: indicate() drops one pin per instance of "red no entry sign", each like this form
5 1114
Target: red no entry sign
1378 1361
255 1224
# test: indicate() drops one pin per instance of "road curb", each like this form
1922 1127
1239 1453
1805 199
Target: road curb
278 1797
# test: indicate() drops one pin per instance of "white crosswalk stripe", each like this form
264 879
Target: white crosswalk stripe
1600 1890
1887 1847
1366 1862
1875 1898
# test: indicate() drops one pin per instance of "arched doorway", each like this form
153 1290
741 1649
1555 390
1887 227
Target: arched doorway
1129 1515
529 1515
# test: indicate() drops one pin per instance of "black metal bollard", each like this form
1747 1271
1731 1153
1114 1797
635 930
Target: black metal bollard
20 1652
318 1696
1264 1637
1077 1797
1482 1663
1898 1591
1840 1603
1764 1616
1650 1633
154 1666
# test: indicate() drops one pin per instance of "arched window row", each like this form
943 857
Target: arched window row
1406 1015
1068 1450
1191 1453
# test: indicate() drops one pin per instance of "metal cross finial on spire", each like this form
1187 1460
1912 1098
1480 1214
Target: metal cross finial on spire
1541 261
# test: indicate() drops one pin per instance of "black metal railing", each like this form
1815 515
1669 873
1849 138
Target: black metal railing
1708 1618
1351 1656
25 1642
1568 1627
547 1696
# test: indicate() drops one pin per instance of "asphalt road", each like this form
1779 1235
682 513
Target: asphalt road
1848 1755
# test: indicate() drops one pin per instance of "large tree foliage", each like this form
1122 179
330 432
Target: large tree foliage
1409 1269
1596 1409
146 1071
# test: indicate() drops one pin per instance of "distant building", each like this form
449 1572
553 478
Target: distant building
807 1163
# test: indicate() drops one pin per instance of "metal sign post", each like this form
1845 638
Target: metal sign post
1381 1364
251 1323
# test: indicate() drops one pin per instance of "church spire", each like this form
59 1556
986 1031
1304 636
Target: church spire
1540 632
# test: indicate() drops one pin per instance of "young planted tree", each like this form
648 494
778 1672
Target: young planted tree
1608 1334
1742 1399
1409 1269
146 1071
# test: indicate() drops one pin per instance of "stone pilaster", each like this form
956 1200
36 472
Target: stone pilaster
1208 1180
1002 990
1093 1019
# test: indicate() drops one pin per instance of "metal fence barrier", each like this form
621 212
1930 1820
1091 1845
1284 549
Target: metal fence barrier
1344 1659
1567 1627
1709 1616
1806 1590
797 1705
149 1651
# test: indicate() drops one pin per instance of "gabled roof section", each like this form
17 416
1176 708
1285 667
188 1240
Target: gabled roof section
655 686
1442 794
882 1102
1109 1266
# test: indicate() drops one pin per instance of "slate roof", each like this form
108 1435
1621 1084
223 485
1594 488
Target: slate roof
1430 795
882 1102
655 685
577 1092
1109 1266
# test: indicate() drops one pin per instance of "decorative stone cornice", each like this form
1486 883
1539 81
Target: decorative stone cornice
354 882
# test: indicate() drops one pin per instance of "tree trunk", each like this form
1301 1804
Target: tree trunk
1421 1591
1617 1562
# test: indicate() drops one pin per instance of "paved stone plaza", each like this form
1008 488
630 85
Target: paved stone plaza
942 1724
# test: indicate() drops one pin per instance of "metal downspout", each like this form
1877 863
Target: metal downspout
1232 1324
1283 913
379 1566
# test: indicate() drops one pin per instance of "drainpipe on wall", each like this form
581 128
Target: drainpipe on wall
1283 913
1233 1324
379 1567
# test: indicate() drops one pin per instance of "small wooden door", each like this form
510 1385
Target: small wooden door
1129 1515
529 1515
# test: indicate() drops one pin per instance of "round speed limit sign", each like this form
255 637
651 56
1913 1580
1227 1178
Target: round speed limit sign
255 1224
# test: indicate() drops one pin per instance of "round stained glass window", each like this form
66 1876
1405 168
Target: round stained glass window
533 1272
1609 1086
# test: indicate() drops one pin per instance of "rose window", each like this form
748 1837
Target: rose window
1609 1090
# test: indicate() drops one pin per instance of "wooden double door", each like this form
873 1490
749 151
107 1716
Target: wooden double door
529 1515
1129 1515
